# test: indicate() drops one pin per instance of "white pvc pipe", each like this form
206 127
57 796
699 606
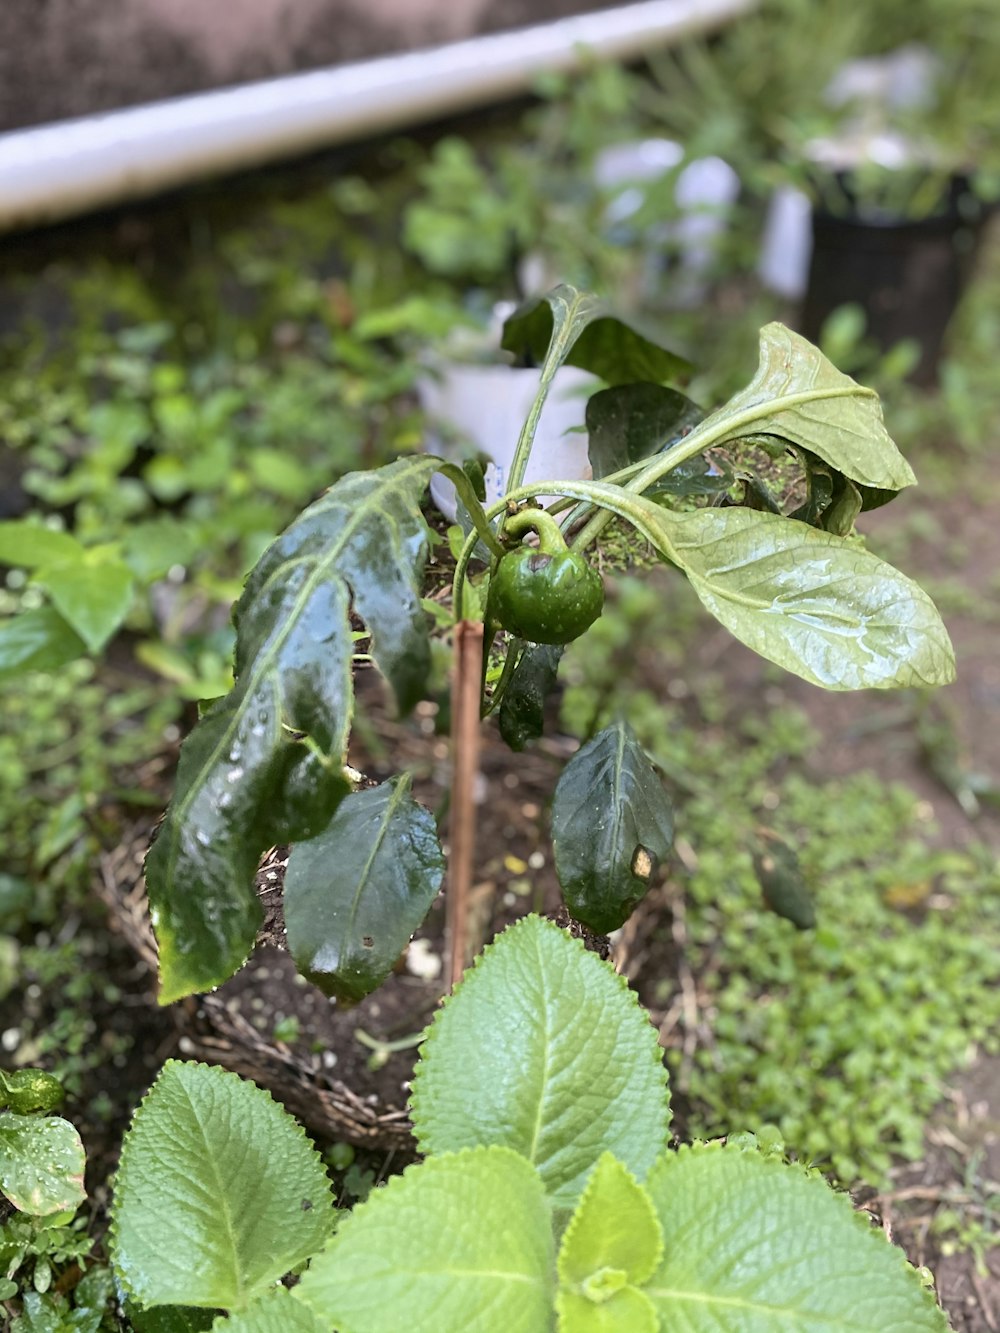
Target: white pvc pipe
69 167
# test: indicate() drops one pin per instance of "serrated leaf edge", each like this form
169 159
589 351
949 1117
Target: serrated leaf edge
576 1221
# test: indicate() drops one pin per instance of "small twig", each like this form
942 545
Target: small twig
468 665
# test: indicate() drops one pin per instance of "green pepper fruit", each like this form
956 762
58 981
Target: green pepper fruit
545 595
28 1090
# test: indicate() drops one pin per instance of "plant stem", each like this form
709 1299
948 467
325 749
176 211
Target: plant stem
514 651
465 697
522 452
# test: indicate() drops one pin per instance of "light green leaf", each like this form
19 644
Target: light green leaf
800 395
277 1312
94 595
612 825
752 1245
37 640
218 1194
41 1163
245 781
573 1071
355 894
27 545
627 1311
566 326
457 1244
810 601
613 1230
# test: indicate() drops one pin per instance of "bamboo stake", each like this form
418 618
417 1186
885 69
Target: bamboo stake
465 724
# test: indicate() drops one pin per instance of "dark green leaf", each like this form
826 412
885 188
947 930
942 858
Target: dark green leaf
781 880
37 640
612 825
171 1319
355 894
575 328
244 775
522 709
632 421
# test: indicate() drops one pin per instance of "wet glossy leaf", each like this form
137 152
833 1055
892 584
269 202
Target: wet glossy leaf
570 327
800 395
93 595
37 640
632 421
781 881
522 708
41 1163
826 609
245 778
752 1245
219 1193
462 1241
572 1071
612 826
355 894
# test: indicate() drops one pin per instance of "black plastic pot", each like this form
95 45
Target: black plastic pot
907 276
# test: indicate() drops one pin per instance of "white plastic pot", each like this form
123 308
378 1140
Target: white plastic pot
480 409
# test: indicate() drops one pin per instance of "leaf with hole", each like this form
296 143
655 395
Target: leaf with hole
355 894
571 1071
612 826
219 1193
266 762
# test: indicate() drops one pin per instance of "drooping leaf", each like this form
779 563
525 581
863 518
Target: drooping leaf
37 640
781 880
93 595
566 326
244 776
573 1070
218 1194
522 708
355 894
612 825
28 545
277 1312
752 1245
801 396
632 421
459 1242
41 1163
827 610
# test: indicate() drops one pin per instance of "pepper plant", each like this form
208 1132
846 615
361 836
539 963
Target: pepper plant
267 763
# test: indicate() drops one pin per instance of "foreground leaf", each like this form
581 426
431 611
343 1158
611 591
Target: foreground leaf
612 825
573 1071
801 396
458 1244
566 326
245 780
41 1163
355 894
754 1246
218 1195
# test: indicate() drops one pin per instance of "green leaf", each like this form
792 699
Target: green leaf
627 1311
632 421
781 880
243 781
94 595
575 328
522 708
613 1240
457 1244
826 609
27 545
277 1312
355 894
170 1319
37 640
800 395
612 825
573 1071
752 1245
218 1194
41 1163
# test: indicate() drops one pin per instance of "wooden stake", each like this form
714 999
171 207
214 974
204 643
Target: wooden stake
465 702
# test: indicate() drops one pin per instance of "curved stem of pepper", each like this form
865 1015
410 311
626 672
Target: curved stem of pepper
550 538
